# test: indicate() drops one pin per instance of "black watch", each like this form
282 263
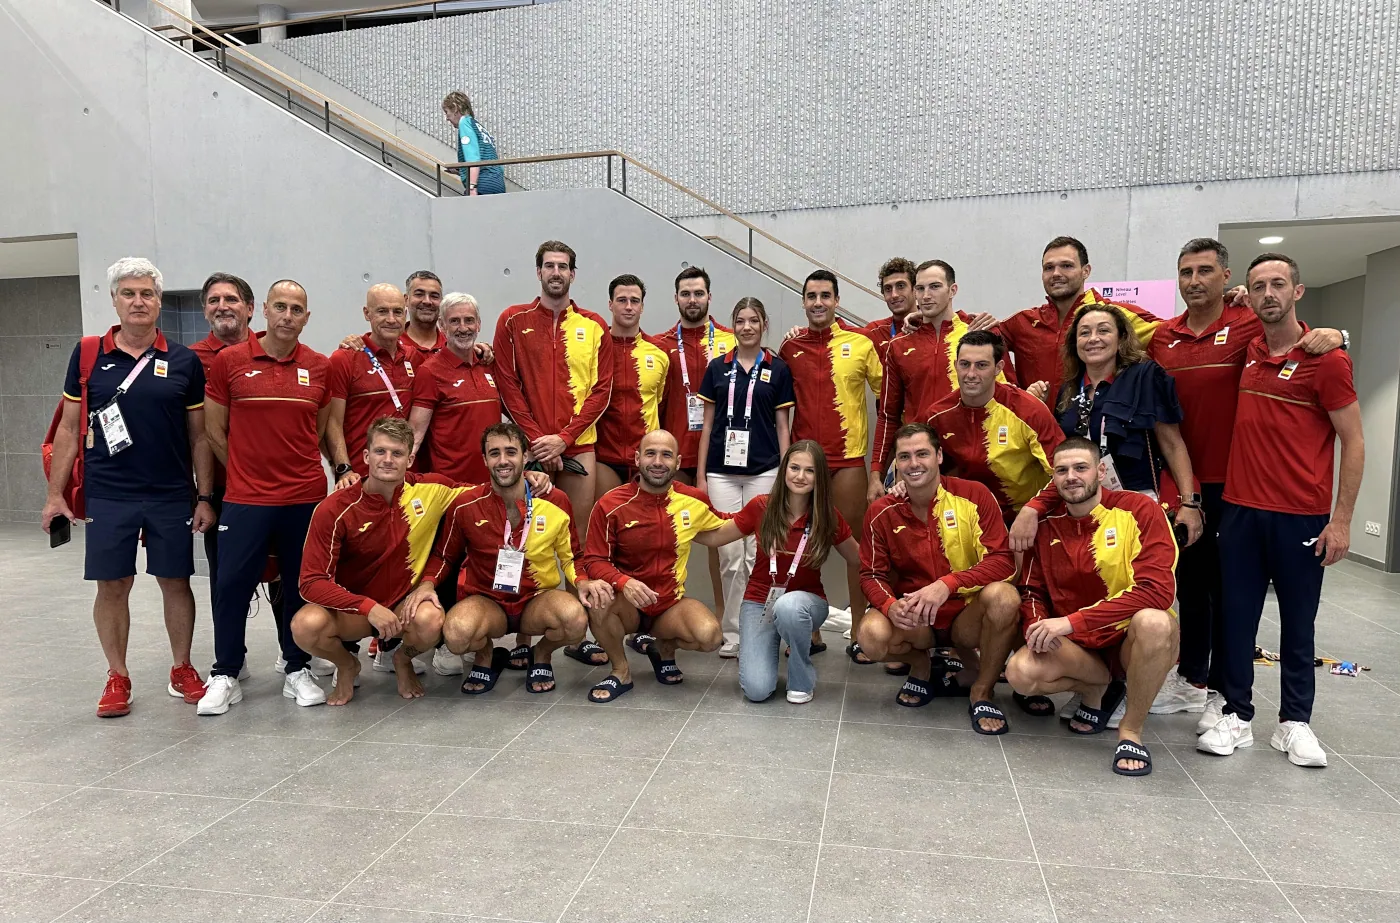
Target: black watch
205 498
341 471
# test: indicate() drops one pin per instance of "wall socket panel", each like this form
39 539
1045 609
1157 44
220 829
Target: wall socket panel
1373 528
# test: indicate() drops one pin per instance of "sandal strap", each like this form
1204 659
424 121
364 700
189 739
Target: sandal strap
1128 748
916 686
481 675
542 671
610 682
987 709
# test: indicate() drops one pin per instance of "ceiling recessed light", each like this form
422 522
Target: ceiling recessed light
1269 241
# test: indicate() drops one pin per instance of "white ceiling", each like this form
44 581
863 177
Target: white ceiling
1327 251
23 258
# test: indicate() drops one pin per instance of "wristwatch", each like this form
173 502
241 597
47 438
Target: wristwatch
1192 501
1346 341
205 498
341 471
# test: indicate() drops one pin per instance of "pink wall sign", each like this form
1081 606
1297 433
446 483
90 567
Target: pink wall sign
1156 295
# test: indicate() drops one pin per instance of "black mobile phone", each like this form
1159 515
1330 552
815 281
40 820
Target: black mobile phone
60 531
1182 534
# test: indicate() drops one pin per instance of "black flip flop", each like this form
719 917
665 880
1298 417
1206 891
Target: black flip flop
519 658
613 686
641 643
667 673
1037 706
539 673
853 651
901 669
1132 750
585 653
487 676
814 650
918 688
1097 718
984 709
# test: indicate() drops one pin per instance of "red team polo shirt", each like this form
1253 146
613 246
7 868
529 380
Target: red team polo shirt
807 579
1282 453
274 455
464 401
206 349
353 379
1207 370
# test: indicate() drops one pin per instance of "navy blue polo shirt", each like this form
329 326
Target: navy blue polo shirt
772 392
155 407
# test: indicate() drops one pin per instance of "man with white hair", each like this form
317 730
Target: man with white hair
456 403
137 414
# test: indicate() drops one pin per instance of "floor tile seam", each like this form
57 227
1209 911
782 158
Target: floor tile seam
259 799
826 803
1231 827
384 852
1387 792
1026 822
1160 872
1310 884
473 918
1353 612
633 806
87 785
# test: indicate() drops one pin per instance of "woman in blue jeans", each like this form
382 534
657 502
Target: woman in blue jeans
797 526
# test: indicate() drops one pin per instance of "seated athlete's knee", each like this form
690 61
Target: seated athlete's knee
310 624
874 633
709 635
429 619
1001 604
458 628
1154 628
573 619
1023 673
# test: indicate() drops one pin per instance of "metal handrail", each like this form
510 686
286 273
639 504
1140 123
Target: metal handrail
351 14
626 159
224 46
432 167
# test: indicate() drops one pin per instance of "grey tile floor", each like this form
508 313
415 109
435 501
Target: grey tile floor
679 804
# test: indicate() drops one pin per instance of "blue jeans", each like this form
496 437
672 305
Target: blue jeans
795 616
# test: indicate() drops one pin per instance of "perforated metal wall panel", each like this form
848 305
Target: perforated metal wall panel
778 105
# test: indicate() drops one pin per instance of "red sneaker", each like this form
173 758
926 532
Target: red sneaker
186 684
373 647
116 696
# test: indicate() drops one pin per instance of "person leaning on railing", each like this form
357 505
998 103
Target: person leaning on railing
473 143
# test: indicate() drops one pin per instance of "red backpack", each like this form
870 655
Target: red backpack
73 493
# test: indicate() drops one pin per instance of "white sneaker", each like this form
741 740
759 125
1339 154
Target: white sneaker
1178 695
319 666
244 673
446 663
1226 736
219 693
335 675
383 662
302 687
729 649
1215 707
1116 718
837 619
798 698
1068 709
1300 743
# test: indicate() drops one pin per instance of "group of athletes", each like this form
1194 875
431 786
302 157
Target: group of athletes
1108 528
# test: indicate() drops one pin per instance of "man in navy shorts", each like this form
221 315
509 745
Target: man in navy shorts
147 472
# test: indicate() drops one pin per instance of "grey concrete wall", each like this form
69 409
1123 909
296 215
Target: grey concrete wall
40 319
1376 375
1341 305
995 242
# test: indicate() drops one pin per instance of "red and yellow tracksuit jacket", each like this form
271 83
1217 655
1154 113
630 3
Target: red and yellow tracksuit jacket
471 534
963 544
920 370
1006 445
831 369
554 372
361 550
640 368
1100 570
636 535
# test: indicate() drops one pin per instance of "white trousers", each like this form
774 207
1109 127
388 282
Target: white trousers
728 494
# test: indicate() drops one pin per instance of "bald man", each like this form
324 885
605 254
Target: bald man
376 380
635 560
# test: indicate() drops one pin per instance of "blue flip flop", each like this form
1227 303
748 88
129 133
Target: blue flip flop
517 655
667 673
585 653
1131 750
641 643
539 673
487 676
984 709
614 687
